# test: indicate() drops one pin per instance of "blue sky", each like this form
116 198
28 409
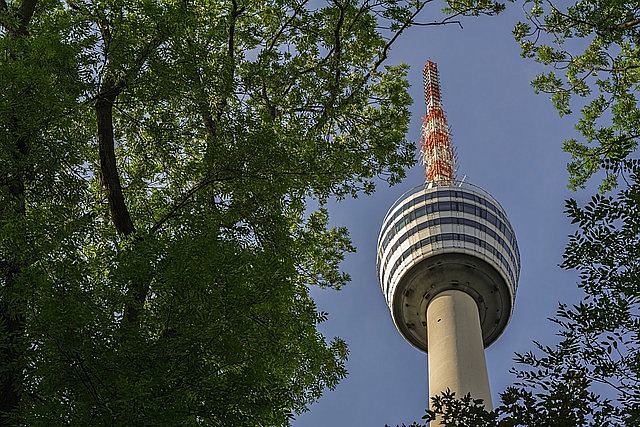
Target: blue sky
509 142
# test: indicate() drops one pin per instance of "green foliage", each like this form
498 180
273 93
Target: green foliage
449 411
156 161
552 396
563 401
591 48
600 334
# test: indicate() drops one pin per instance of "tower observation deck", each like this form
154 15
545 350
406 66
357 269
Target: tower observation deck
448 264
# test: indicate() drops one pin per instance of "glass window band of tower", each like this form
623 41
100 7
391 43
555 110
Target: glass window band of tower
473 191
405 210
453 206
382 265
444 238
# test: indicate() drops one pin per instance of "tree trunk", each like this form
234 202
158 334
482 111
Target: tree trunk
109 176
12 318
110 179
13 209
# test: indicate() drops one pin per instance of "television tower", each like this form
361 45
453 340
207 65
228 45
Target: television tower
448 263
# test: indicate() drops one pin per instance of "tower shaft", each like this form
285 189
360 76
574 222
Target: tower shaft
456 351
435 144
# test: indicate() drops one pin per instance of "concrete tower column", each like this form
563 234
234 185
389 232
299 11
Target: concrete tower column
455 349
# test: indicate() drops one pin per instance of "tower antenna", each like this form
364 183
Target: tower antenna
436 149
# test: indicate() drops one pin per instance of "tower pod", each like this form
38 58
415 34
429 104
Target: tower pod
454 236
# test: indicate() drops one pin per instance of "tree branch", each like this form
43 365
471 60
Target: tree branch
446 21
284 26
24 15
235 12
628 24
179 205
109 176
26 12
338 47
385 50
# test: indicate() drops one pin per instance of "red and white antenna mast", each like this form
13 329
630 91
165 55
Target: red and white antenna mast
435 144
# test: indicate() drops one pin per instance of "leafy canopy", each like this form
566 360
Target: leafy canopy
590 48
156 161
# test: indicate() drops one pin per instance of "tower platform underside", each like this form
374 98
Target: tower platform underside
450 271
450 237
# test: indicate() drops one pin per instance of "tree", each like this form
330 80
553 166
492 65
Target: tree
590 48
563 401
156 160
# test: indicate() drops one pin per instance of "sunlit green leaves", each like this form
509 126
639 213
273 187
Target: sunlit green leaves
592 46
473 7
227 119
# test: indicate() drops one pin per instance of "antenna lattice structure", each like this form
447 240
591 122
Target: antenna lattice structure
435 144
